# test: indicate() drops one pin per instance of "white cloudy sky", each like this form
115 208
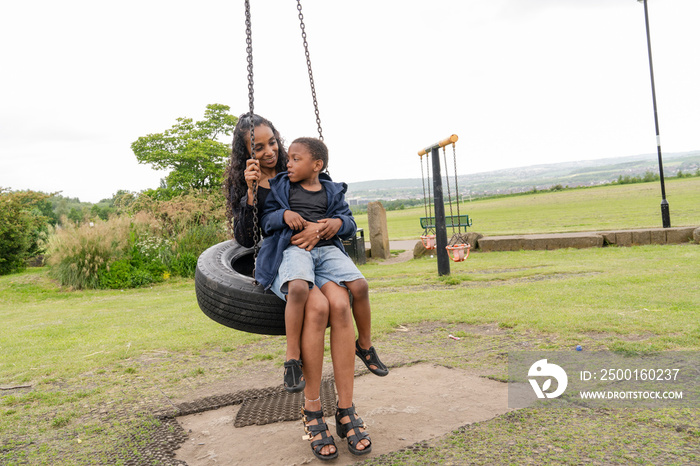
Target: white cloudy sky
521 82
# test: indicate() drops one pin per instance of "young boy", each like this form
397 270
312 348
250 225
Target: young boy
304 194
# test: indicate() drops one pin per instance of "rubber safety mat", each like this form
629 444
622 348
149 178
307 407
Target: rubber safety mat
278 405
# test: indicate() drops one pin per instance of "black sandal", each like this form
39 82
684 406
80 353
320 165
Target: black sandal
313 430
354 425
381 370
293 381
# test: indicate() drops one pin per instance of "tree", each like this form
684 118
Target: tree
190 150
22 226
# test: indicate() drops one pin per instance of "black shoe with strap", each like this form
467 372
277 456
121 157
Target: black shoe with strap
351 429
293 376
315 429
370 358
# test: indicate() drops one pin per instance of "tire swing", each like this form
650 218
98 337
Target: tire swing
224 284
428 236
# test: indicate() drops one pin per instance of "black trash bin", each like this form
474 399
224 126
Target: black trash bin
355 247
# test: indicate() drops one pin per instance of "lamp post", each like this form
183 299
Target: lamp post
665 213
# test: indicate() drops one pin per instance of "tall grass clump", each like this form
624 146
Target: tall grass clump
78 254
122 252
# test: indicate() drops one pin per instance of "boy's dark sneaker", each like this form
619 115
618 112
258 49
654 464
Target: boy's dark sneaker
293 377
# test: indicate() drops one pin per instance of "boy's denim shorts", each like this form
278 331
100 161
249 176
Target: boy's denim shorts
318 267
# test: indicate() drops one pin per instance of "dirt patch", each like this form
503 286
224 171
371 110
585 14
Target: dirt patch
401 257
410 405
481 283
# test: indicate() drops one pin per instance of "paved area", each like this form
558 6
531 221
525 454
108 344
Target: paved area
412 404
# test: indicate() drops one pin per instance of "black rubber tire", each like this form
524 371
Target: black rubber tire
226 292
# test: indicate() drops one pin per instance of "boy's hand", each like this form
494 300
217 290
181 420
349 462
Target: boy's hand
308 237
329 227
295 221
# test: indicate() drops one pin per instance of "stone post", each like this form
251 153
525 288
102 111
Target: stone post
378 231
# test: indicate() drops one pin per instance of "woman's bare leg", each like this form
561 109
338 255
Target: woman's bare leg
342 346
316 315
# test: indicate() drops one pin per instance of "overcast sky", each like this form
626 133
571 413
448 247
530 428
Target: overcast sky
521 82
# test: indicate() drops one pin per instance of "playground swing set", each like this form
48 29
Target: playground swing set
435 226
224 284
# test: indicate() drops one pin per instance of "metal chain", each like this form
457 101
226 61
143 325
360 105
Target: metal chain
251 105
308 65
449 196
425 197
430 200
454 157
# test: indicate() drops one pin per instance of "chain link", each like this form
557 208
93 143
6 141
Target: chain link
430 199
308 65
425 197
454 157
449 195
458 237
251 107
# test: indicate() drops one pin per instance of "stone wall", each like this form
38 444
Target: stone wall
638 237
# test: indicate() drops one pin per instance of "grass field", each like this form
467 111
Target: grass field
586 209
89 366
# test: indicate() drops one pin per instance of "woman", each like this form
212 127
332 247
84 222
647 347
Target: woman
241 174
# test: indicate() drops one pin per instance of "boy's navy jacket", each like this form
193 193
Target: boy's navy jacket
278 234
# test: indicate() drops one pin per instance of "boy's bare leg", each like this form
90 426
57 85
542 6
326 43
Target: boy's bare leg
316 315
342 346
297 294
361 311
363 317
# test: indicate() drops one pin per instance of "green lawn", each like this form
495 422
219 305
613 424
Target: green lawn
585 209
94 362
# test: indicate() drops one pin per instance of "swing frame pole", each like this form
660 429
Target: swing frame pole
443 260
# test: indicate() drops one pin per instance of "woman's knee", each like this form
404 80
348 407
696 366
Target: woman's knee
339 301
316 311
340 311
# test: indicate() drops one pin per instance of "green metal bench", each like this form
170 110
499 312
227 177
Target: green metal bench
451 221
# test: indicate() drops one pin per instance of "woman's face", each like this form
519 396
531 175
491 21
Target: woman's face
266 149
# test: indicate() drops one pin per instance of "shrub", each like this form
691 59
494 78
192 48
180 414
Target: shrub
117 275
191 243
184 264
124 274
23 226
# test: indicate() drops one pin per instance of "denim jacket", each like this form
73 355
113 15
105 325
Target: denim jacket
277 234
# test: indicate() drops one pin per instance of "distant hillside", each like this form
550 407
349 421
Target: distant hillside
513 180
